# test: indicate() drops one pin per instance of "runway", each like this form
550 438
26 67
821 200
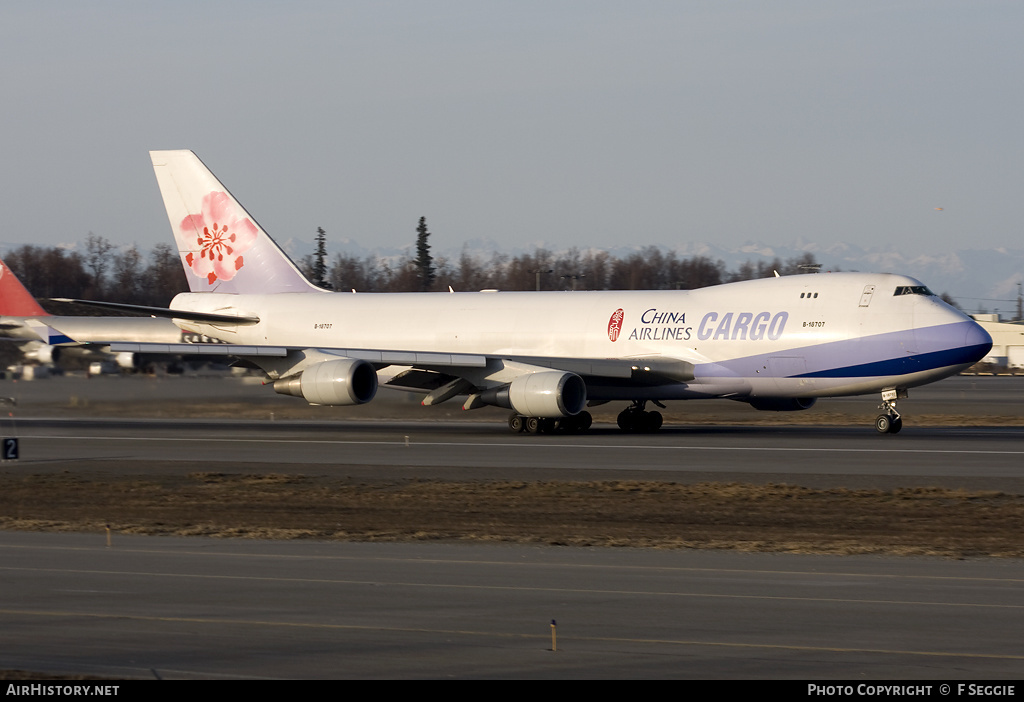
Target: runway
976 457
201 608
198 608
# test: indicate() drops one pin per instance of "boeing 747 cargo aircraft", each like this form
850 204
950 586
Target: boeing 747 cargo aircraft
777 344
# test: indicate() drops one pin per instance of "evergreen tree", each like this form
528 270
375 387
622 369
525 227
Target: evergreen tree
320 259
424 261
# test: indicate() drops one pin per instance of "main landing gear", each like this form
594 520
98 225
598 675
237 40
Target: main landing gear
890 422
544 425
635 418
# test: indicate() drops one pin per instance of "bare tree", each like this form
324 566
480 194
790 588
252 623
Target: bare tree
97 260
127 269
164 277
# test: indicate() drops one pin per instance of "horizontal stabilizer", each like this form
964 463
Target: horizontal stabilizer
166 312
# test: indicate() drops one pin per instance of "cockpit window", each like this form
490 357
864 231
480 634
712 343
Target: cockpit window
913 290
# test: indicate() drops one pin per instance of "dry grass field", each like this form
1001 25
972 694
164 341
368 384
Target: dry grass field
774 517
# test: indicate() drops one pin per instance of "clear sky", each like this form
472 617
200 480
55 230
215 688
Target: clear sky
574 122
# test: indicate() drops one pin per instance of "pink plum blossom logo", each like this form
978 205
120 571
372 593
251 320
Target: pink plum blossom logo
222 235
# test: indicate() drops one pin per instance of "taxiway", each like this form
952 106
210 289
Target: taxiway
200 608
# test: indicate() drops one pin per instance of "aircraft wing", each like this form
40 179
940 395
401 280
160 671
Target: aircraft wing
440 375
199 349
663 369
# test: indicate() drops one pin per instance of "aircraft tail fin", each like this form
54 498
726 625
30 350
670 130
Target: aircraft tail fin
222 248
15 299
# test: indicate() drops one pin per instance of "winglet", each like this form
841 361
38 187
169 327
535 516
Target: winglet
222 248
15 299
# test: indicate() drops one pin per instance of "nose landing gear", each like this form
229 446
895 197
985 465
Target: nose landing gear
890 422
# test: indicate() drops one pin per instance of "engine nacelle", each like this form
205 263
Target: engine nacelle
345 381
43 354
782 404
544 394
125 360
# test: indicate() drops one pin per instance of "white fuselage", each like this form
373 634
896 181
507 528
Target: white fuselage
794 336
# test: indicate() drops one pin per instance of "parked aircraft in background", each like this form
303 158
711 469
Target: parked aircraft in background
46 339
777 343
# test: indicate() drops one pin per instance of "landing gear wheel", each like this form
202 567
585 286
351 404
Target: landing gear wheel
653 421
625 420
885 424
584 420
890 422
548 425
576 423
634 418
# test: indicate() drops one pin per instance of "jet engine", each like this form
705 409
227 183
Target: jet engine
345 381
125 360
543 394
43 354
782 404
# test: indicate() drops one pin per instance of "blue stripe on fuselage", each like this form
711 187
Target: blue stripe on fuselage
908 364
960 343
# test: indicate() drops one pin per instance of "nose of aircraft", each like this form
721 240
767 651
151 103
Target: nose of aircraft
977 343
947 337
